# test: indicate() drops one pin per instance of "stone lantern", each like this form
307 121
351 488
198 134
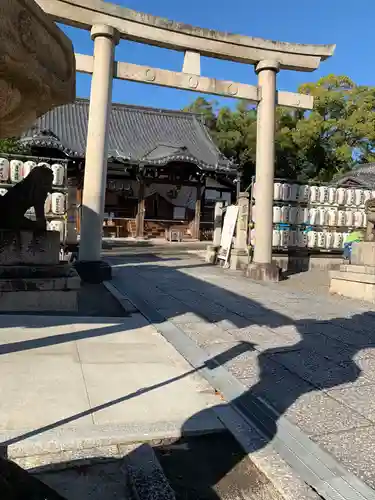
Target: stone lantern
37 66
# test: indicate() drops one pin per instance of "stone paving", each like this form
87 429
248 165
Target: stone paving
70 382
311 355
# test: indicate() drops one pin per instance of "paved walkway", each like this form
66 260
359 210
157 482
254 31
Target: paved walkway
73 382
310 355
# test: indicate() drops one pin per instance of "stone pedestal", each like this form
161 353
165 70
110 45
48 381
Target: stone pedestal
357 279
239 259
263 272
31 277
211 254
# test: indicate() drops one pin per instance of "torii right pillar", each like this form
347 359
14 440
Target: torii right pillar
262 268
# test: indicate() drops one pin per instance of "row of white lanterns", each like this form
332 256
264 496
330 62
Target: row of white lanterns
16 170
317 216
55 203
303 239
324 195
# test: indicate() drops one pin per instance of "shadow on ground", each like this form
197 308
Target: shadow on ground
321 357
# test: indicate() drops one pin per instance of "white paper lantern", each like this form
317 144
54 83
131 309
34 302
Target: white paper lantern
293 213
321 218
292 239
358 197
57 225
44 164
286 192
284 237
58 203
303 215
338 240
323 194
301 238
4 169
332 217
341 196
321 239
314 194
58 174
303 193
332 192
350 197
341 218
358 218
16 170
48 204
276 214
312 239
276 238
349 219
27 167
294 188
277 191
285 214
329 240
313 216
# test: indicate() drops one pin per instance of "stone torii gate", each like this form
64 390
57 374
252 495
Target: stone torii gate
108 23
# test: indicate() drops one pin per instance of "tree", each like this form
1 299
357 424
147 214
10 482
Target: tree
11 146
340 131
336 135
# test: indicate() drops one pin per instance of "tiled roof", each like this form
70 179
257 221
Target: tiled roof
136 134
363 174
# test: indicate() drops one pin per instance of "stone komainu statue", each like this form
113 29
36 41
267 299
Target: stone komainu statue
370 214
32 191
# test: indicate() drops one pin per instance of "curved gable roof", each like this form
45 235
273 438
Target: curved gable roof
136 134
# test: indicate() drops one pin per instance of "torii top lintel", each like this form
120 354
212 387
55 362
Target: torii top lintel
153 30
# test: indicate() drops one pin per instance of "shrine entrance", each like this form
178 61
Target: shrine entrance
109 23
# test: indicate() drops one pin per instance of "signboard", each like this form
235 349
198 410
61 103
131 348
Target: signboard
230 221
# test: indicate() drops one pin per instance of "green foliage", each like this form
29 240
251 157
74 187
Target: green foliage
335 136
12 146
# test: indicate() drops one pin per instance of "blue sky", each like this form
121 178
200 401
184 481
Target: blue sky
344 22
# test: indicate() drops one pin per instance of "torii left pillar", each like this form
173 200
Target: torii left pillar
90 266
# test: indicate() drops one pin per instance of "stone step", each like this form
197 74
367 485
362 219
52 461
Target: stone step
40 301
357 277
63 269
72 282
136 475
357 269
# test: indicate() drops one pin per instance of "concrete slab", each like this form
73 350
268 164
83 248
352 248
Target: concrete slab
39 390
56 373
139 392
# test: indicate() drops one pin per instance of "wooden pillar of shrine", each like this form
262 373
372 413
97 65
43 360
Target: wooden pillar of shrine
140 219
198 211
